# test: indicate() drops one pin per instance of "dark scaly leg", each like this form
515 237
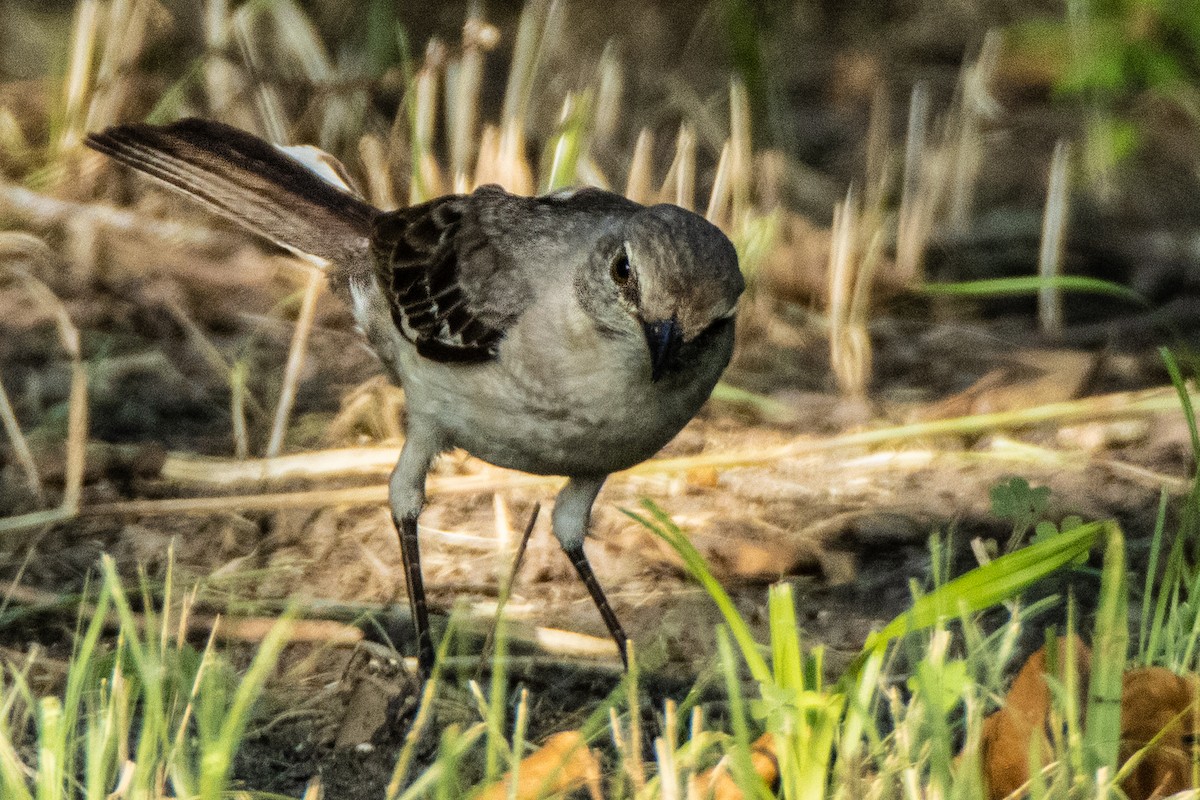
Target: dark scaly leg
406 492
579 559
572 513
410 551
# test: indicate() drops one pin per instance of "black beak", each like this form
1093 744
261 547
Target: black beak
664 339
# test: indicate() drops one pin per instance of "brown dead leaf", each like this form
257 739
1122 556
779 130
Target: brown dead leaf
717 783
563 763
1010 733
1155 700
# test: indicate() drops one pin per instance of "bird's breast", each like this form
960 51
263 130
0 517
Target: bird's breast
560 398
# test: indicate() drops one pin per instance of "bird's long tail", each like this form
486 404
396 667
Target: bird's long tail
251 182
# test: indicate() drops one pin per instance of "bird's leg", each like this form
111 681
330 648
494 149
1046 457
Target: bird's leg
410 551
406 492
572 512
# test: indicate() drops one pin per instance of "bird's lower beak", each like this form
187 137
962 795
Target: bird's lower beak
664 339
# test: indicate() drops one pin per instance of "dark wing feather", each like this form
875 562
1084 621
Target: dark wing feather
419 252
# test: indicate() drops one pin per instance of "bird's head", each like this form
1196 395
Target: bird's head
673 275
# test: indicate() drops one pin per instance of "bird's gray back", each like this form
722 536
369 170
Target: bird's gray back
459 271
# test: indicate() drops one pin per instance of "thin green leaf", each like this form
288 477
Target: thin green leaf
992 583
664 528
1102 733
1032 284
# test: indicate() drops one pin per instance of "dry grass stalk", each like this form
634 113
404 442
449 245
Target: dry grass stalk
255 629
190 625
427 179
127 29
849 343
295 361
1054 232
637 185
719 197
679 186
224 472
377 171
20 444
79 73
357 496
976 106
610 87
42 211
296 45
350 462
502 159
571 643
376 404
1148 401
267 103
219 74
741 150
237 410
21 246
504 536
525 57
81 251
314 789
916 211
77 420
462 97
189 469
940 171
670 785
210 354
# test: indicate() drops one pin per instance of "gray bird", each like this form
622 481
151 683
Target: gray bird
571 334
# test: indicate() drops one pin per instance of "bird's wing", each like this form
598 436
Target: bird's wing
445 279
460 270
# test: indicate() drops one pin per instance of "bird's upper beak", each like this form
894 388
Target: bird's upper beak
664 339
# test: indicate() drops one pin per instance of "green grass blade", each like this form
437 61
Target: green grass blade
80 673
993 582
1102 733
786 658
743 768
1181 661
52 749
1144 654
217 761
1032 284
1185 399
664 528
860 694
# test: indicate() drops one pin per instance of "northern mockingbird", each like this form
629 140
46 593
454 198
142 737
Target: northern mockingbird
570 334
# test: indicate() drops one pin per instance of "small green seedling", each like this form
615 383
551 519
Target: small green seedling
1025 507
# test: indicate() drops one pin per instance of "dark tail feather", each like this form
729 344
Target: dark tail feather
250 182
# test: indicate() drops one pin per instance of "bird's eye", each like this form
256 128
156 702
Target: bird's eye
620 269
